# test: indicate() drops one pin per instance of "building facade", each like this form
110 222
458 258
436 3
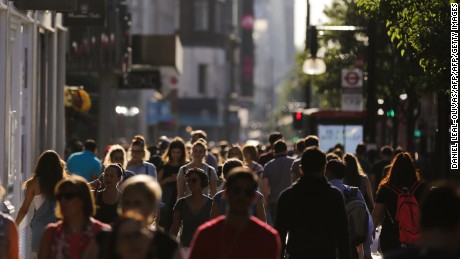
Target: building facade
32 71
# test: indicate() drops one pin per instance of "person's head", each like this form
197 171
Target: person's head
50 169
311 141
250 153
241 189
141 193
280 148
354 171
313 162
175 152
130 237
330 156
274 136
440 214
116 155
235 152
199 150
90 145
335 169
138 149
229 165
386 152
299 146
198 134
361 149
403 172
74 198
113 174
196 179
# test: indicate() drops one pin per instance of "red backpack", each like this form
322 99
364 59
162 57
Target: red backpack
407 213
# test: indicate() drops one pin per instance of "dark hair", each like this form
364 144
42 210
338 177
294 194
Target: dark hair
118 167
300 145
274 136
313 160
229 165
178 143
387 151
354 171
251 150
402 172
79 185
361 149
337 168
311 141
280 146
331 156
242 173
440 208
238 149
204 179
90 145
49 171
138 140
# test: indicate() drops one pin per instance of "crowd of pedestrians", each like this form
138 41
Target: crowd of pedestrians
187 199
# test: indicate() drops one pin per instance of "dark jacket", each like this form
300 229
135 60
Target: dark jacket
313 213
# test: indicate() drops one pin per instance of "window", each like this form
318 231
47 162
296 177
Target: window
202 78
219 17
201 12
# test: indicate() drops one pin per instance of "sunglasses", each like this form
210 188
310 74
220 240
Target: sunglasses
237 191
66 195
118 158
191 180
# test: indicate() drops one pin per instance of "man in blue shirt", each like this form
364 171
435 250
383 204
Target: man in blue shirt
335 171
85 163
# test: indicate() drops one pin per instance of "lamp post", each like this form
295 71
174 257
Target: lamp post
313 65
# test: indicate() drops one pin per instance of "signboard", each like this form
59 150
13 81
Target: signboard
88 13
347 135
159 112
199 112
352 102
142 79
52 5
352 78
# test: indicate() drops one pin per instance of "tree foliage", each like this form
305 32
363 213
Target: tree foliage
420 31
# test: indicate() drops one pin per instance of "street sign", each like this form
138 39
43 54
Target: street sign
352 78
352 102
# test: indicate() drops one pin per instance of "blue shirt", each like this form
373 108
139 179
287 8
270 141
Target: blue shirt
84 164
367 245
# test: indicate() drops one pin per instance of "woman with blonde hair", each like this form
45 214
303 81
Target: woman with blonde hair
138 154
40 192
142 194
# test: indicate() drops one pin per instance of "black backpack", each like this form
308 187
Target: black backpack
358 217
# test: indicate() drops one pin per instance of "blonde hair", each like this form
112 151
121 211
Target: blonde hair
115 148
145 184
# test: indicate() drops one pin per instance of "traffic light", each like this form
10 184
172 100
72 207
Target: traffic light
297 120
391 113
